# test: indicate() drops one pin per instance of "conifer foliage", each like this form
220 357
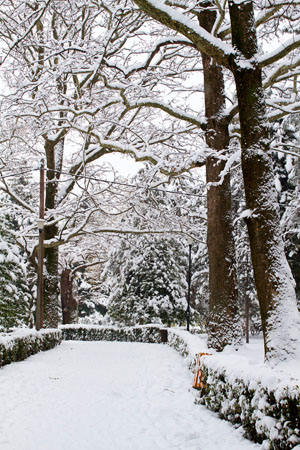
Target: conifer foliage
15 296
147 281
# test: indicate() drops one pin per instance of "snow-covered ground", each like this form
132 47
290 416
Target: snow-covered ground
107 396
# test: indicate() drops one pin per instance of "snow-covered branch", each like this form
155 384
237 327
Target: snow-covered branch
179 22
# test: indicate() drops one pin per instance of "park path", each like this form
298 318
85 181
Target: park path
107 396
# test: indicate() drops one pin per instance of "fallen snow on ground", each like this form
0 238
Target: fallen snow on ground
107 396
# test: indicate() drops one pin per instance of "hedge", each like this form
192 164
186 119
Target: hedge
22 343
144 333
266 405
268 415
19 344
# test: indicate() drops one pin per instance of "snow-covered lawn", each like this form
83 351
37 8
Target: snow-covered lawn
107 396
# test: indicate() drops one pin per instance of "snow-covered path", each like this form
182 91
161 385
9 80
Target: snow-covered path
107 396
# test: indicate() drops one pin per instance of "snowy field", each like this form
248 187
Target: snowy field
107 396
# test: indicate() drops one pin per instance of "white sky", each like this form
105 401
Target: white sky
125 165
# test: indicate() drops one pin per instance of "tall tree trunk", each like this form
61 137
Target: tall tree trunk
51 277
51 286
274 282
224 316
68 302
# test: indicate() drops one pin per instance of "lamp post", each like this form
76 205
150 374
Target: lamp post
40 287
247 305
188 311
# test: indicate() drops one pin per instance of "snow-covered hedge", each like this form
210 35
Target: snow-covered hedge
19 344
268 414
178 343
147 333
186 344
264 401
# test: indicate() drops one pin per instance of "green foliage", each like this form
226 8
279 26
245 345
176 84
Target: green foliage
15 295
178 344
244 269
287 177
147 281
146 334
19 345
268 415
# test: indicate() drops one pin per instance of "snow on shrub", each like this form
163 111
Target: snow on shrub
187 344
145 281
269 415
15 295
264 401
19 344
142 333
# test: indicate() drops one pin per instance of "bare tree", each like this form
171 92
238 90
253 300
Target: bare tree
63 94
273 277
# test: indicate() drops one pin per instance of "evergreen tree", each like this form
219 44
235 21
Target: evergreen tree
247 295
200 282
15 296
147 281
287 169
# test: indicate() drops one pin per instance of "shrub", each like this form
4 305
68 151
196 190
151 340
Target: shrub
146 333
269 415
19 344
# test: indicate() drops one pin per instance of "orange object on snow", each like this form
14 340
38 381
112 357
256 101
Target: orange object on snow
198 377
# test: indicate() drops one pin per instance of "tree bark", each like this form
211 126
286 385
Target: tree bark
224 315
68 302
51 278
274 282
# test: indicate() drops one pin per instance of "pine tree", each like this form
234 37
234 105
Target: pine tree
147 281
15 296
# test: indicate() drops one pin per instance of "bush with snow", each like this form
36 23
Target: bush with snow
147 281
15 295
148 333
269 415
20 344
264 401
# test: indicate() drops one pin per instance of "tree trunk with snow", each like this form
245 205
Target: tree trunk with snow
68 302
51 276
224 316
274 282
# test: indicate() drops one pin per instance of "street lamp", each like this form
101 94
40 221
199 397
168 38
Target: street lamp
188 311
39 301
